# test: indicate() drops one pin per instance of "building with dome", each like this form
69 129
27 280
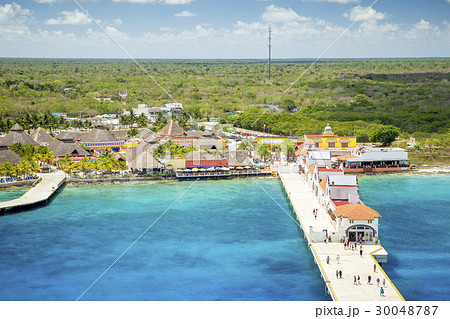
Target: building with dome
330 141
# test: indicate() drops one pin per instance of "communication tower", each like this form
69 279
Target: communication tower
270 48
123 95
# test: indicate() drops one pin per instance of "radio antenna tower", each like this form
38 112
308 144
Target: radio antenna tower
270 48
123 95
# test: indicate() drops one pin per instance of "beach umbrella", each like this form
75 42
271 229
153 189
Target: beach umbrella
202 169
225 169
210 169
239 167
195 169
187 170
256 166
247 167
230 167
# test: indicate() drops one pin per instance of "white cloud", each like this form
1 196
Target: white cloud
70 17
13 22
337 1
357 13
185 14
157 1
118 21
275 14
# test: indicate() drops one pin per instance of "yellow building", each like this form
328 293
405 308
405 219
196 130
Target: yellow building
332 141
273 143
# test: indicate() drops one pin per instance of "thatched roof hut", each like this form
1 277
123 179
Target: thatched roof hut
143 158
17 135
98 135
42 137
237 158
6 155
172 129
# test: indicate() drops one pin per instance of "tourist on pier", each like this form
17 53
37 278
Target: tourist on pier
338 259
340 274
378 282
328 260
369 279
360 252
359 282
374 267
381 291
337 274
384 282
354 279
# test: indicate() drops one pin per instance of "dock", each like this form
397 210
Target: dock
46 187
349 262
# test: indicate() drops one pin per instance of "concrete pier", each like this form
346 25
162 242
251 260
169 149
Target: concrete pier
41 192
349 262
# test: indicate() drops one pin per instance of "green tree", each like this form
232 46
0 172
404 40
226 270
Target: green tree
264 152
385 134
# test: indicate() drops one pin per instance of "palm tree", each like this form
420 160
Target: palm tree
264 152
85 165
246 144
122 166
68 164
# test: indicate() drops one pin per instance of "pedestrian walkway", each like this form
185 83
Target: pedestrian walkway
350 262
41 192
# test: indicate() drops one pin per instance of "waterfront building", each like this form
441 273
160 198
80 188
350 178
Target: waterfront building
141 159
6 155
274 143
17 135
330 141
377 159
101 139
319 158
357 221
204 159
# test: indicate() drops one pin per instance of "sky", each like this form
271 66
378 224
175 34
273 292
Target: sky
230 29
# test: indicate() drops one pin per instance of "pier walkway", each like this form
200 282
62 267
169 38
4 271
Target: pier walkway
350 263
41 192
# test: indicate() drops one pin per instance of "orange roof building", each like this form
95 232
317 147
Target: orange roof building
357 222
356 211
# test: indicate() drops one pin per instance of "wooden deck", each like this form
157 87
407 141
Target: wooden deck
350 263
40 193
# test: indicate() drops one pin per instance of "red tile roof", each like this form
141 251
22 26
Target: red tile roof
356 211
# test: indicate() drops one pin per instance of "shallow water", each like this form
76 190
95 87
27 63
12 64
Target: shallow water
414 229
223 240
11 193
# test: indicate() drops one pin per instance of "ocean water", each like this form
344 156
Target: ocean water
11 193
414 230
223 240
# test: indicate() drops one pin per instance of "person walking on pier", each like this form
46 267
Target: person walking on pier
338 259
340 274
369 279
328 260
374 267
384 282
337 274
378 282
359 282
354 279
381 291
360 252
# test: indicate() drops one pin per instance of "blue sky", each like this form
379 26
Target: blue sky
224 28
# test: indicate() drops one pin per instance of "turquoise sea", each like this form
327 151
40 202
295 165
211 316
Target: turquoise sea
223 240
414 230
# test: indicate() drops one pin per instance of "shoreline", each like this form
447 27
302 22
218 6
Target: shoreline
438 170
